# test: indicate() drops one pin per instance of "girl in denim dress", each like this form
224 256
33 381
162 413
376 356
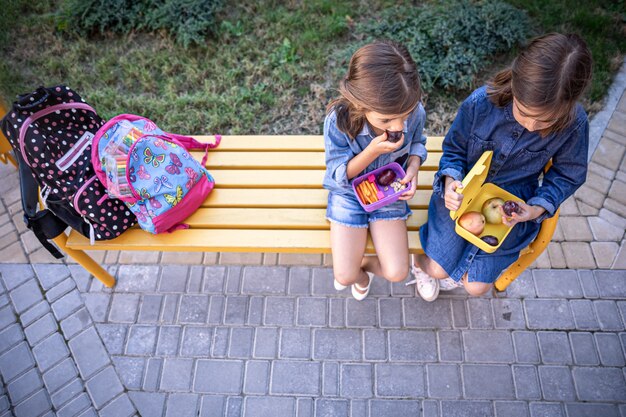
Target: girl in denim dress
380 93
527 115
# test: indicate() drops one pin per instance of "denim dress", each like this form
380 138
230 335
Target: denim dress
343 207
518 159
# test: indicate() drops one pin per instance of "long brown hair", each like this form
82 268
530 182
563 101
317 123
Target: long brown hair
551 74
382 77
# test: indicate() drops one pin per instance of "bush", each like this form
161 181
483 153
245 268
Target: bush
451 41
189 21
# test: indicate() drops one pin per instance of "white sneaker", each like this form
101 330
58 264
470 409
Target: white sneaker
448 284
361 296
425 286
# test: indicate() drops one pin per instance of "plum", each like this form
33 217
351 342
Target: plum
490 240
386 177
394 135
509 207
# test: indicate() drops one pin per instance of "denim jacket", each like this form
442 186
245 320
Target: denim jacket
340 149
519 155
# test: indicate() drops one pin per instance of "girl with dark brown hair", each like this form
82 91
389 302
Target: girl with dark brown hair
527 115
379 99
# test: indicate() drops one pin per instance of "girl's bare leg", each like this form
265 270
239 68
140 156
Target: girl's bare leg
347 246
392 247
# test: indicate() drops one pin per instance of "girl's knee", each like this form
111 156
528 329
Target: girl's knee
432 268
477 289
396 273
345 276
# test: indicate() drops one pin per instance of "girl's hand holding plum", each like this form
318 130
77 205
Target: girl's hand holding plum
525 213
380 145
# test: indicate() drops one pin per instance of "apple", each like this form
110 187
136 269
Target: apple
473 222
491 210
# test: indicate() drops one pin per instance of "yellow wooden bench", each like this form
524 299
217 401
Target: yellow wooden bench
269 198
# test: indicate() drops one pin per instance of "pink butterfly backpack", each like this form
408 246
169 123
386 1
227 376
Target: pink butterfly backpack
152 171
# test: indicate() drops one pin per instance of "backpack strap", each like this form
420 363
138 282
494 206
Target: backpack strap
190 143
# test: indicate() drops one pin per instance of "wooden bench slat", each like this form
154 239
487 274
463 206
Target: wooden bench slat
225 240
301 178
287 198
268 143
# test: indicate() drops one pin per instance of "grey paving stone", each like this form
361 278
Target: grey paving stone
269 406
610 349
621 305
329 407
230 383
356 381
214 277
280 311
130 371
4 298
312 311
556 383
526 382
233 279
212 406
26 296
610 283
153 374
450 349
177 374
337 316
196 341
103 387
124 308
24 385
337 344
216 309
412 345
266 342
168 340
323 282
113 336
295 378
75 323
480 314
257 378
141 340
15 274
150 308
169 308
361 313
430 408
67 393
196 276
488 346
374 345
557 283
10 336
182 405
241 342
488 381
522 287
400 289
295 343
81 277
264 280
119 407
35 312
608 315
98 305
219 348
305 407
255 311
380 287
444 381
194 309
35 405
508 313
466 408
554 348
174 278
511 409
584 315
236 308
390 312
7 317
299 281
40 329
599 384
427 315
60 289
234 406
88 352
546 409
400 380
591 410
50 351
588 284
548 314
137 278
67 304
49 274
526 347
330 379
391 408
584 349
60 375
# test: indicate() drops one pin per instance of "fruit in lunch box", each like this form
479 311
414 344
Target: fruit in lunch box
386 177
473 222
490 240
491 210
394 135
509 207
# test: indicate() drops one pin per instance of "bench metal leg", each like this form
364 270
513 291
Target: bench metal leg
85 261
533 251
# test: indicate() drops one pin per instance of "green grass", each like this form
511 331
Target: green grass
272 67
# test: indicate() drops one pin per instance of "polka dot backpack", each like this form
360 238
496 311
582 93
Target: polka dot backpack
51 131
